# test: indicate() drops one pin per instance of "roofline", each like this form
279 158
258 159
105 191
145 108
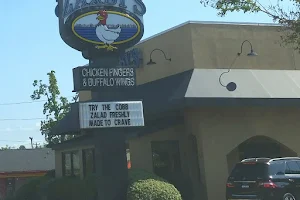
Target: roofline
211 23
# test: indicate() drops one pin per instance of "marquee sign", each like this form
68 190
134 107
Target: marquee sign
111 114
101 25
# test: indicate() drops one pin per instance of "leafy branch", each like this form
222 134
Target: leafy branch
289 18
55 108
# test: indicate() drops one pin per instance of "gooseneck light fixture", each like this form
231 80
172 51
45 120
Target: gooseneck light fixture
251 53
151 62
231 86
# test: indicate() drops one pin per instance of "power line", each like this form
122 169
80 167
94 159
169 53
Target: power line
15 141
26 102
25 119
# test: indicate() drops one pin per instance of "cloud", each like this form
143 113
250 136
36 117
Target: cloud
28 129
6 129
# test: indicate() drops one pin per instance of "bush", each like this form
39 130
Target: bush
68 188
30 190
91 184
144 185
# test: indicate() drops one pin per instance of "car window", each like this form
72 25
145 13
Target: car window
277 168
292 167
249 171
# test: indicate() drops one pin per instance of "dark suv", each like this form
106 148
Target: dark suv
265 179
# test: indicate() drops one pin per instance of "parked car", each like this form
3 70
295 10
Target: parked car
265 179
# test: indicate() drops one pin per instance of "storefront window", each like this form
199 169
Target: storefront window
10 187
71 163
88 161
166 158
76 163
67 166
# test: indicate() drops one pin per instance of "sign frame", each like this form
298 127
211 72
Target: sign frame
67 34
107 116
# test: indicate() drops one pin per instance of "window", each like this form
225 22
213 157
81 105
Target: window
249 171
88 161
71 163
10 187
277 168
76 163
166 158
292 168
67 166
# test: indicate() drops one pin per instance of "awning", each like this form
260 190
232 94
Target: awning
69 124
201 87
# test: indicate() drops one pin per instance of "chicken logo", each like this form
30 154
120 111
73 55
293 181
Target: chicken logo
107 30
107 35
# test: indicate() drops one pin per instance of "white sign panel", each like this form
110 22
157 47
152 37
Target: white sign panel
111 114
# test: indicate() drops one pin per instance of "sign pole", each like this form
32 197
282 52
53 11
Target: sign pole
102 31
111 165
110 152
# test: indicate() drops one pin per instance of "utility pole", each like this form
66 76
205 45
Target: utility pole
31 138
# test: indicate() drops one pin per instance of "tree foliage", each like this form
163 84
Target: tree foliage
278 10
55 107
6 147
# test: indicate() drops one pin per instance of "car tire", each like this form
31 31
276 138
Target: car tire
288 196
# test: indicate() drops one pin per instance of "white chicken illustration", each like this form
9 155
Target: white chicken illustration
106 35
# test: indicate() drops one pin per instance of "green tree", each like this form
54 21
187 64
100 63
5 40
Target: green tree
55 107
22 147
288 17
6 147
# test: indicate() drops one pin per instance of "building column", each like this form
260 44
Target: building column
215 170
141 154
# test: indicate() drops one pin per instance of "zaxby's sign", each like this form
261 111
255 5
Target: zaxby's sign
101 25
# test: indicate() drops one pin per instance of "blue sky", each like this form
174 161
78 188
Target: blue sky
31 46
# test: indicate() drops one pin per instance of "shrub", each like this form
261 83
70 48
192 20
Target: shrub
51 173
30 190
68 188
91 184
144 185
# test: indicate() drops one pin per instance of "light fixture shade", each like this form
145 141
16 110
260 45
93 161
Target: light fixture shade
231 86
252 53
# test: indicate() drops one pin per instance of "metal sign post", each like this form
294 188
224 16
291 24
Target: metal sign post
102 31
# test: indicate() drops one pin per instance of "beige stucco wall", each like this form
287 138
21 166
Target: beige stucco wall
216 46
218 131
140 148
196 45
58 159
221 130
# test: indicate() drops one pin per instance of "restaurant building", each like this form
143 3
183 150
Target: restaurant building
195 129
